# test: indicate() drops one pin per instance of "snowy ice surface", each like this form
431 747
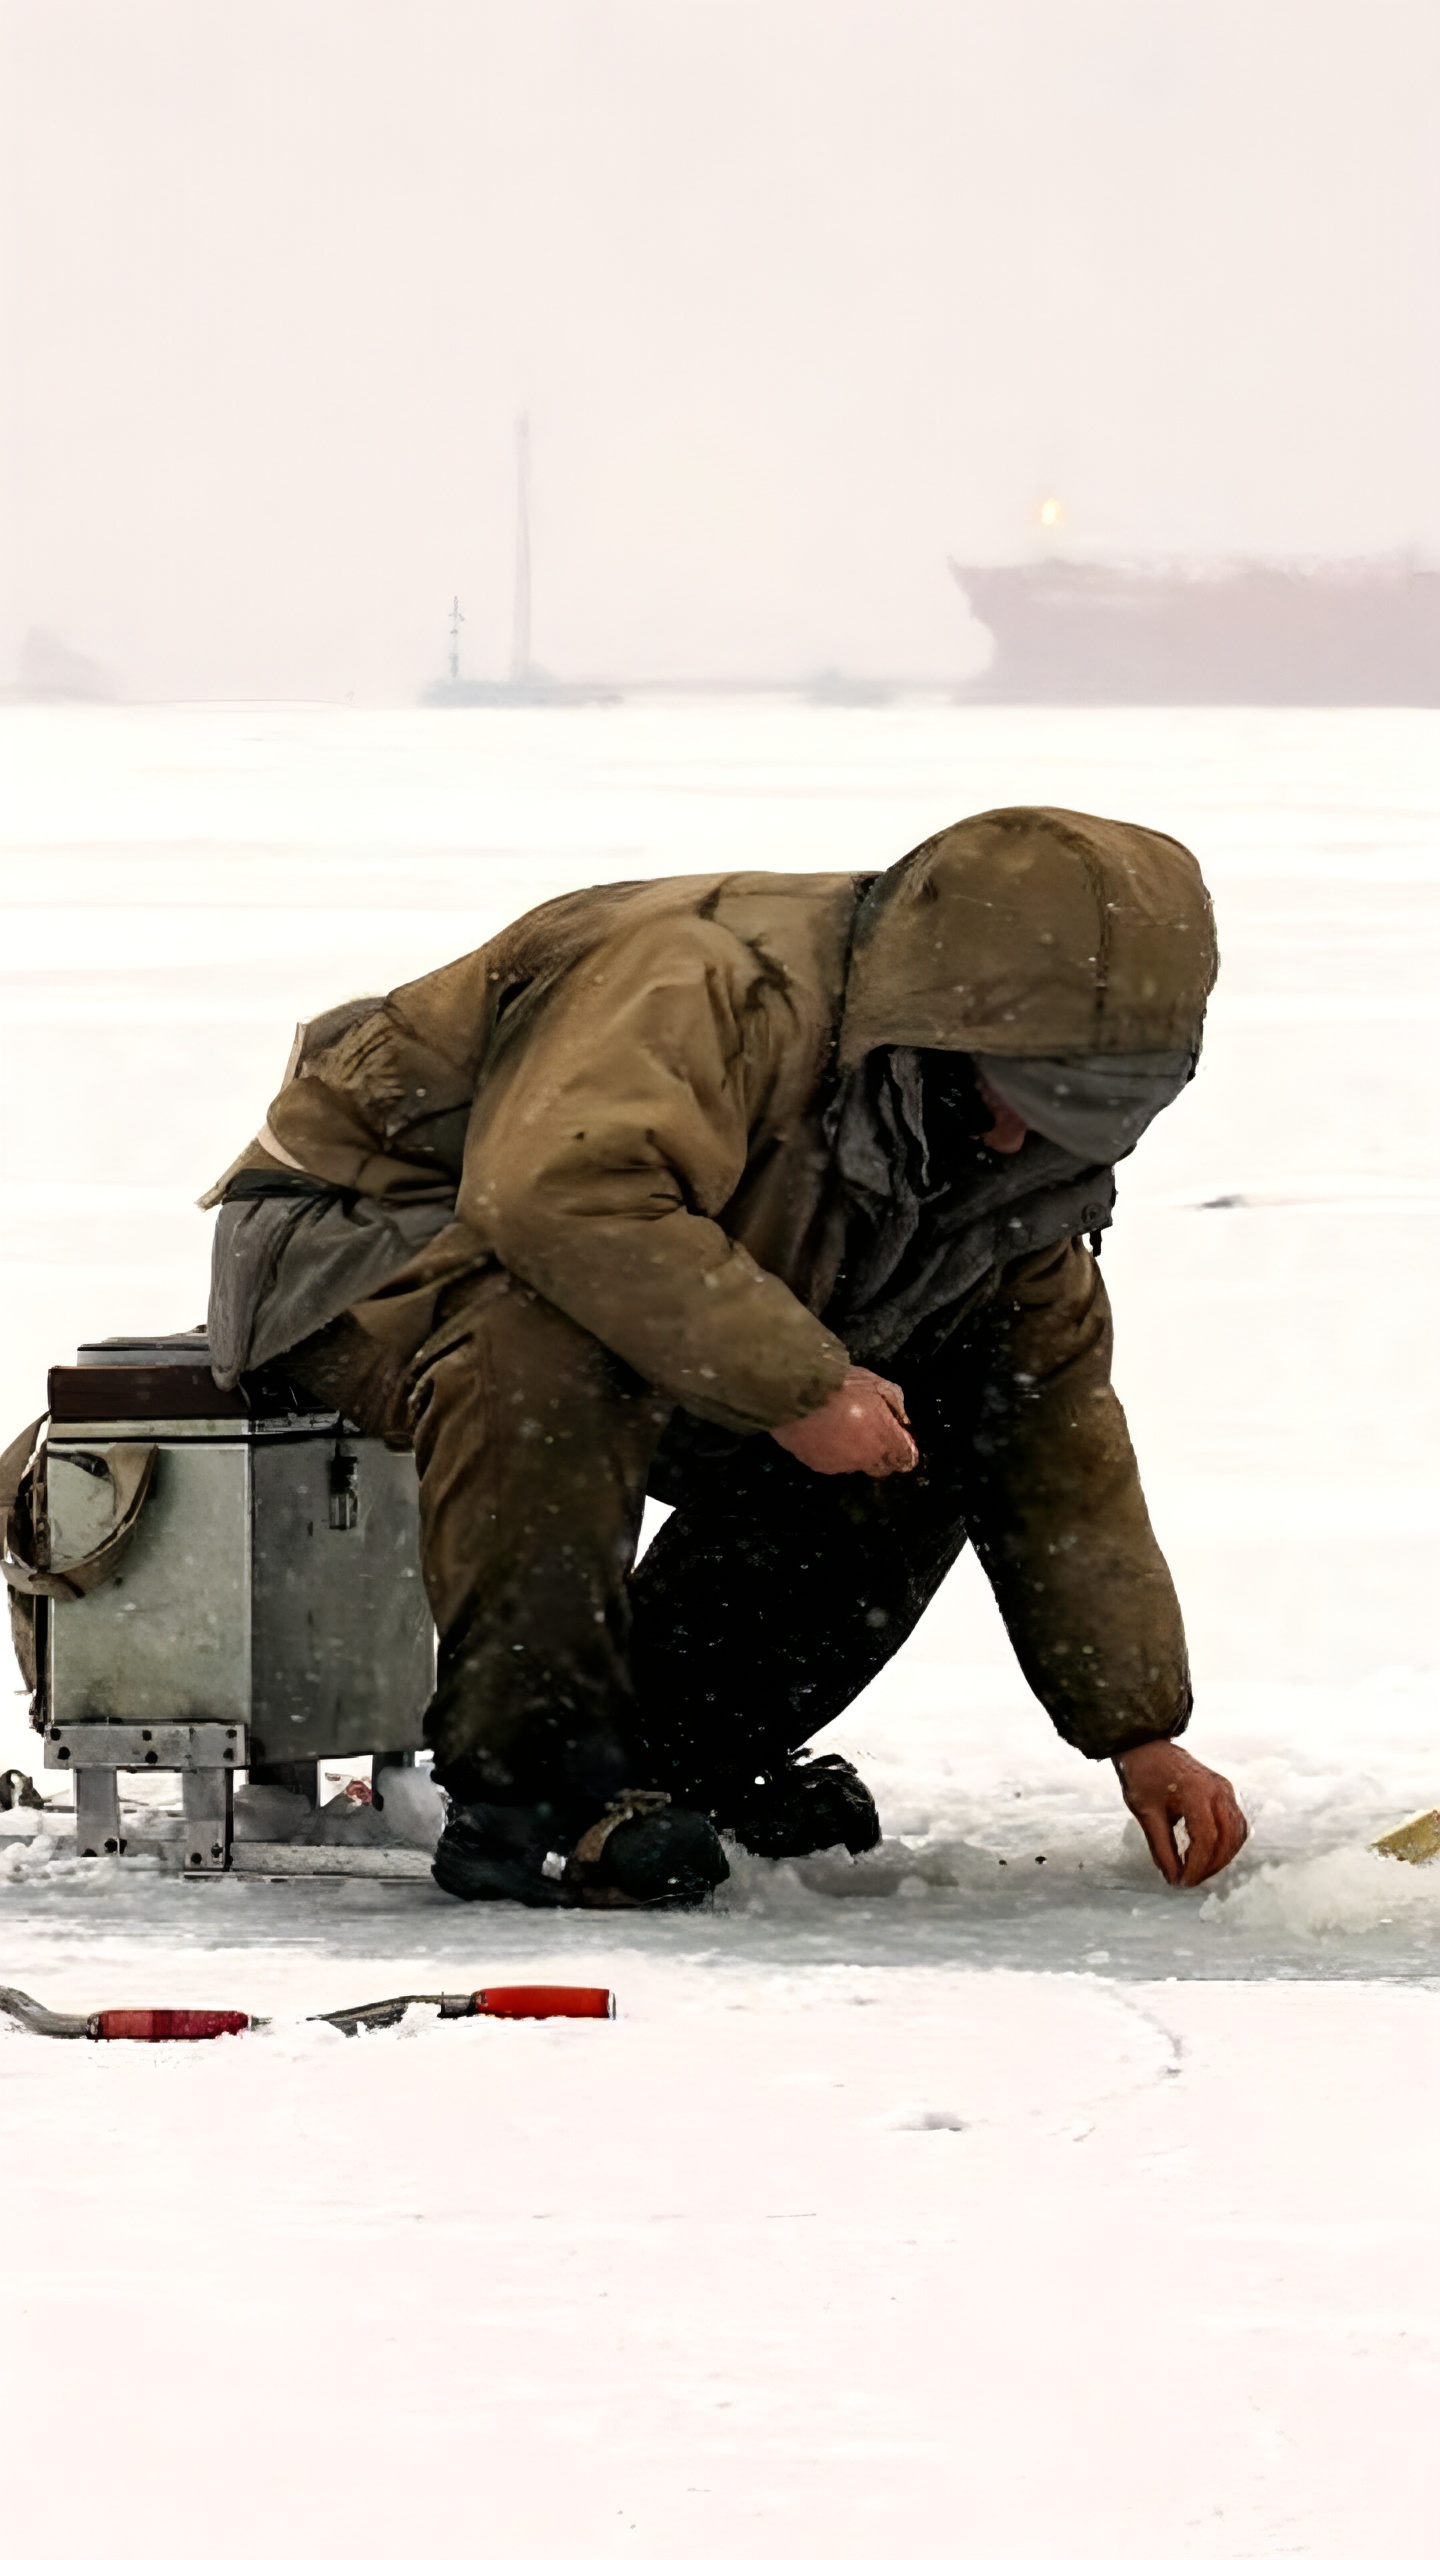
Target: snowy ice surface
1168 2271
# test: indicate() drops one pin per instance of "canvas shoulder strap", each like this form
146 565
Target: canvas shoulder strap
130 1465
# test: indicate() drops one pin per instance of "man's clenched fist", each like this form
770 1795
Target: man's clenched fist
860 1430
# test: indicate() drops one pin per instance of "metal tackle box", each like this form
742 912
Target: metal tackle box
267 1608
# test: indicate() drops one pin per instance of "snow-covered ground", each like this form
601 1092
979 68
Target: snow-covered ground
1165 2268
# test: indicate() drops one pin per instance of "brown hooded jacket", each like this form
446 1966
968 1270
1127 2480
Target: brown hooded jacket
623 1093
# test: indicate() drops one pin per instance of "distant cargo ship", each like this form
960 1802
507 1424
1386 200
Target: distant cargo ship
1244 632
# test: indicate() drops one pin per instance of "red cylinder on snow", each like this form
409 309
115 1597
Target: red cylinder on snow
167 2026
544 2000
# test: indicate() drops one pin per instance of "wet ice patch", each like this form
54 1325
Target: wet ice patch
902 1870
1342 1893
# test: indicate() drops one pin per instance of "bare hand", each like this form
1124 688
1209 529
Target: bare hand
860 1430
1163 1785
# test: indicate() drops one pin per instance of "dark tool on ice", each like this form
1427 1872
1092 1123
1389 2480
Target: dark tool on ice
199 2026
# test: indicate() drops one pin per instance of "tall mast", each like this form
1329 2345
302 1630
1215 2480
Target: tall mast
456 618
520 626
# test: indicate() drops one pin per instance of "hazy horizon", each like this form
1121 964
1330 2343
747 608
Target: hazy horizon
801 296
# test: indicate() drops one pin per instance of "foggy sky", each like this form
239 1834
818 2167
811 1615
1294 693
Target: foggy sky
800 296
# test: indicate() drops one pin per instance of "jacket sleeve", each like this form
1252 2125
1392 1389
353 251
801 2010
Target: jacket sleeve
603 1149
1059 1520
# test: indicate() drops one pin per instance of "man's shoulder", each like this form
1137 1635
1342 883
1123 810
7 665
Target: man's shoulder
745 903
793 923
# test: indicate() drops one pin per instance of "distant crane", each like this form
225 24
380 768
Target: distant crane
526 683
520 671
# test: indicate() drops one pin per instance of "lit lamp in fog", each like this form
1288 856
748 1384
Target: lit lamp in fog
1051 511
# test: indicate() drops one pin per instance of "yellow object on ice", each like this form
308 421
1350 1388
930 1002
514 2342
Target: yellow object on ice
1414 1841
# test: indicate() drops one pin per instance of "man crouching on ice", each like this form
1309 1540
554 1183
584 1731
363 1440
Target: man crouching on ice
764 1194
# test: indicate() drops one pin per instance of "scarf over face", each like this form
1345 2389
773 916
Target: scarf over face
929 1210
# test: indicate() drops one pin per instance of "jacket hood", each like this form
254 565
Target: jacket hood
1032 933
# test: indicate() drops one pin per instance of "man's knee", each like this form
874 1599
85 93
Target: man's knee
496 1337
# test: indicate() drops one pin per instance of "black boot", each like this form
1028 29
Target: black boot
640 1853
802 1806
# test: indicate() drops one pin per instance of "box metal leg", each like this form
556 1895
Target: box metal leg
97 1812
208 1797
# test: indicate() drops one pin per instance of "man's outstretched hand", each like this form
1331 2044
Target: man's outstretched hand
860 1430
1163 1785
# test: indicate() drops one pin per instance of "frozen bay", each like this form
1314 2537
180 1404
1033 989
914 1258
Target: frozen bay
693 2277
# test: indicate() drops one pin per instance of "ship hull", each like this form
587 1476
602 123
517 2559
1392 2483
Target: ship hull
1074 632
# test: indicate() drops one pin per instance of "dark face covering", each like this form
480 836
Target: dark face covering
1096 1108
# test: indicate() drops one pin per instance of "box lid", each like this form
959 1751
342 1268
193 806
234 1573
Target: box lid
147 1351
163 1391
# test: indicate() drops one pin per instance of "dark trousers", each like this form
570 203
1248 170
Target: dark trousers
768 1601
